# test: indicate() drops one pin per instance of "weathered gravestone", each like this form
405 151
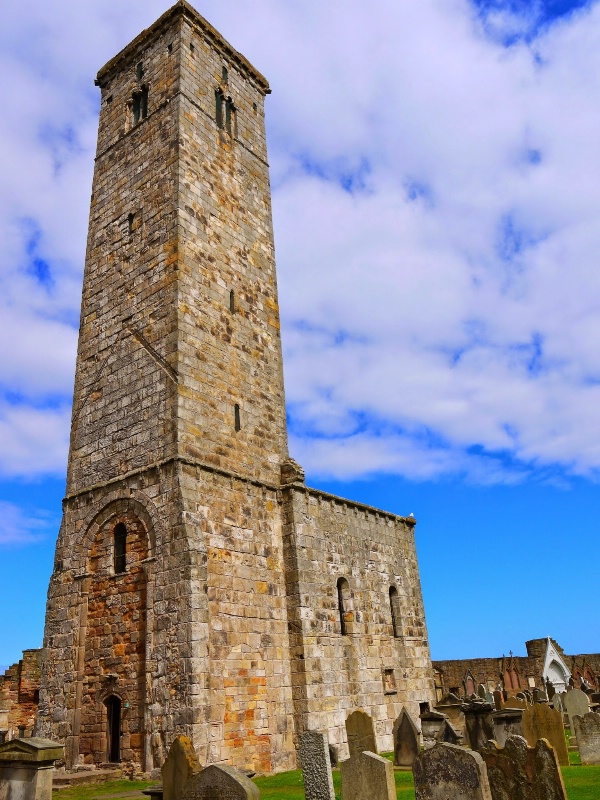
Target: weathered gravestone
180 765
360 731
447 734
447 771
558 701
541 721
507 722
479 724
316 766
498 699
220 783
482 692
587 731
406 740
515 702
367 776
575 703
27 768
539 696
450 706
431 722
519 772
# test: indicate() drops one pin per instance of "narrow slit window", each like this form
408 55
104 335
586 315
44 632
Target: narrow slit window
120 548
144 102
130 220
139 71
236 414
343 590
224 75
136 107
219 108
230 116
395 611
232 301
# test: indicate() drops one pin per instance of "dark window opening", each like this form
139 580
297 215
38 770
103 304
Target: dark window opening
224 75
389 682
238 424
343 590
232 301
36 696
170 47
139 105
130 219
120 548
229 110
109 99
219 108
113 729
395 611
192 48
139 71
254 106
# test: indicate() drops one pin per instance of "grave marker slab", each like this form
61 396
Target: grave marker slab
587 731
448 771
575 703
367 776
220 783
316 766
360 731
520 772
27 768
180 765
507 722
406 740
541 721
447 734
479 724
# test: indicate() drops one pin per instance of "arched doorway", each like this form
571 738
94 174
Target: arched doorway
113 729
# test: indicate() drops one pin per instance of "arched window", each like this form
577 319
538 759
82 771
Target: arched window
343 594
120 548
395 611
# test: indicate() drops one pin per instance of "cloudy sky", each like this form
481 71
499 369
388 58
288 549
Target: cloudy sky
435 168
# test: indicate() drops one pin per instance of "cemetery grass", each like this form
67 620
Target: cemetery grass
289 786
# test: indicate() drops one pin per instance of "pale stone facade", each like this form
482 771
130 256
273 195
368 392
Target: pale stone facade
200 588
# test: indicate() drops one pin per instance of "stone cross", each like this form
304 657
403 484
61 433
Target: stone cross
316 766
220 783
360 731
180 765
406 740
448 771
367 776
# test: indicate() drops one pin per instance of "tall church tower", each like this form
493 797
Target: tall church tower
199 586
171 526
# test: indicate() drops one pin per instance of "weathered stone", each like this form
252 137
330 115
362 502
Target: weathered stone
447 734
515 702
316 766
361 733
367 776
498 699
220 782
180 765
447 771
27 768
406 740
431 722
575 703
519 772
479 724
541 721
587 731
507 722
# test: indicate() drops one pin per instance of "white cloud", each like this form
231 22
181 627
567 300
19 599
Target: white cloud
448 305
19 527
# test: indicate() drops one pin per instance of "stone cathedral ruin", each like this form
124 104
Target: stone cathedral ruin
199 586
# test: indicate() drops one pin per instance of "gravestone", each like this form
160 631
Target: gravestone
406 740
448 771
575 703
450 706
520 772
180 765
507 722
558 701
431 722
220 783
479 724
515 702
539 696
498 699
316 766
360 731
489 698
367 776
481 691
587 731
541 721
27 768
447 734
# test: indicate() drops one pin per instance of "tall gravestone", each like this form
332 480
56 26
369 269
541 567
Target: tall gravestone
587 731
180 765
479 724
367 776
220 782
360 731
447 771
406 740
541 721
575 703
508 722
519 772
316 766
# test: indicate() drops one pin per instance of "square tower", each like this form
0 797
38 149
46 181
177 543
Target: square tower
199 587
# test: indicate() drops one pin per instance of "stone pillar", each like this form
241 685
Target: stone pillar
479 726
27 768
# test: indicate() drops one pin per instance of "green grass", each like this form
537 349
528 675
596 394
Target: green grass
582 783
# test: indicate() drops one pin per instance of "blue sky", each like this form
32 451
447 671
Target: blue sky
436 203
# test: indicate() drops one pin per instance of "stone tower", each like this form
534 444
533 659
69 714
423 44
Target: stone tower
199 586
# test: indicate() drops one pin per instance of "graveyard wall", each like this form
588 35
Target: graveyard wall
326 539
19 693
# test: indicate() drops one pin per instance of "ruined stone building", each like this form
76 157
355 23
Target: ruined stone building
199 586
19 695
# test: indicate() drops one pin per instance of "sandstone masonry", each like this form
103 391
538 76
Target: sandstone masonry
199 587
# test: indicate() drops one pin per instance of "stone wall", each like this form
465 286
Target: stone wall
19 694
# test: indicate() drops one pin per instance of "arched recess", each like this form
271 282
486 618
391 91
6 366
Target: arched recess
395 612
346 616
